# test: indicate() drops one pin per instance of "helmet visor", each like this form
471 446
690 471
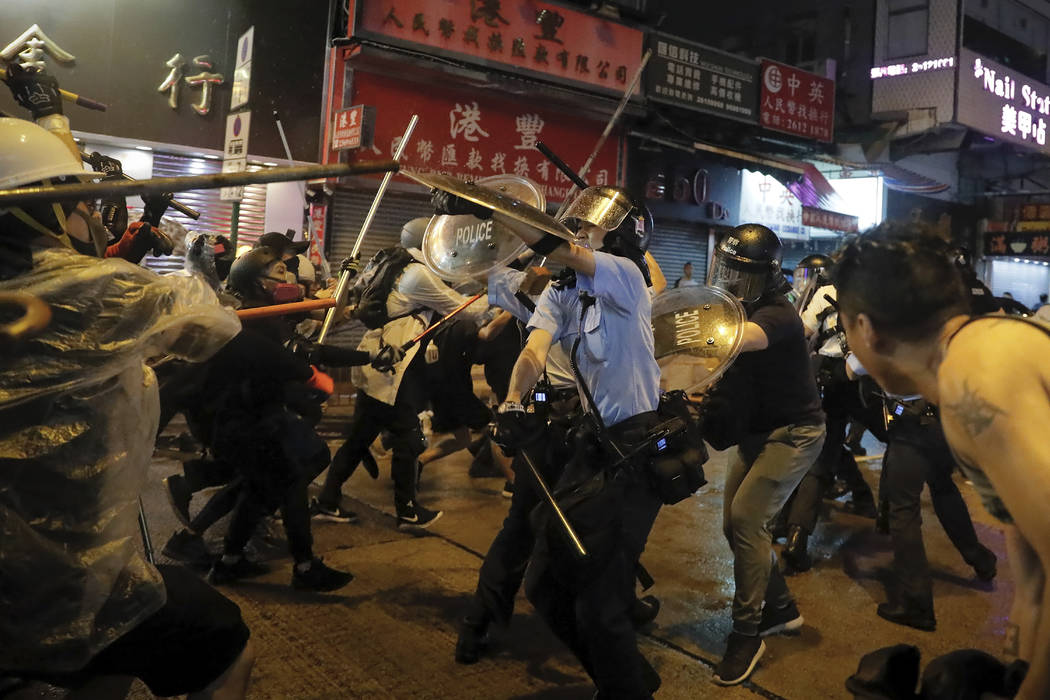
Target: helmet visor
745 282
802 276
604 207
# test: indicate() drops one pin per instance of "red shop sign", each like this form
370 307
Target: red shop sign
524 36
797 102
833 221
470 135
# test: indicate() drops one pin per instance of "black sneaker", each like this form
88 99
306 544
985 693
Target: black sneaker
741 657
472 641
779 621
644 610
319 577
987 569
179 496
910 616
416 517
508 489
188 548
319 511
222 573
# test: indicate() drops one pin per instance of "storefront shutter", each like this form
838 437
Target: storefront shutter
215 213
674 243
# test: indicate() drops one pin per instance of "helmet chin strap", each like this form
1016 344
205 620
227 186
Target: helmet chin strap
30 221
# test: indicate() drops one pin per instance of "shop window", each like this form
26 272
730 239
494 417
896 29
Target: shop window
907 29
800 41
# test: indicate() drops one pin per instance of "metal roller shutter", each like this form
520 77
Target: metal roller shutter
349 208
674 243
215 213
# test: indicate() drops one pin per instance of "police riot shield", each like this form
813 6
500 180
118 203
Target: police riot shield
463 248
697 332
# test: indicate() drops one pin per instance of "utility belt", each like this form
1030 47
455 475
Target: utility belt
914 411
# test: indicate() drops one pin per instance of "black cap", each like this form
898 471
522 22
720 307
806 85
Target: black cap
281 244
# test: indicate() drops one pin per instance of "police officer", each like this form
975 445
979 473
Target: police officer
605 313
782 433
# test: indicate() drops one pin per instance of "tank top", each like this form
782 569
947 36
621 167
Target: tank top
992 503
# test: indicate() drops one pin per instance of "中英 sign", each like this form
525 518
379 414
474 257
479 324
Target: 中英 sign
698 77
797 102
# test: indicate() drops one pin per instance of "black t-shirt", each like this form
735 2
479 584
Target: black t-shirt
783 390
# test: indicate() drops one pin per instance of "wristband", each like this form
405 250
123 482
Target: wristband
547 244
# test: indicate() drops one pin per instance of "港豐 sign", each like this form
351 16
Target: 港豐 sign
797 102
523 36
1001 102
353 128
471 135
698 77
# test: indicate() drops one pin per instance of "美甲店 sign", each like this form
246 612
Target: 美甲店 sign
1002 103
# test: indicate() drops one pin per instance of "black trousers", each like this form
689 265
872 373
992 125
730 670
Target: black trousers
592 616
504 567
841 402
915 455
371 417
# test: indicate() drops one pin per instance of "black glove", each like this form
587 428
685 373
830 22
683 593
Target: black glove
35 90
515 428
110 167
448 203
162 243
351 266
153 207
387 357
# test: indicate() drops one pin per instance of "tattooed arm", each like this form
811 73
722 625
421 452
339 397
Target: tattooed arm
995 406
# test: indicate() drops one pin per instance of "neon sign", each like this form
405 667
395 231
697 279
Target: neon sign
1002 102
897 69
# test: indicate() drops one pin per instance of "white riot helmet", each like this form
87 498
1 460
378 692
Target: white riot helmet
30 154
412 232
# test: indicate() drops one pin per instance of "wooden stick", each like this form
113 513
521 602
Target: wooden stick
283 309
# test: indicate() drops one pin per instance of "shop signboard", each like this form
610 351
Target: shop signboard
353 128
830 220
1002 103
694 76
318 221
525 36
1015 243
474 134
764 200
235 152
797 102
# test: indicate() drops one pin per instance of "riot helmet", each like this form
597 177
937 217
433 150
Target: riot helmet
628 226
258 277
30 155
747 262
412 232
810 268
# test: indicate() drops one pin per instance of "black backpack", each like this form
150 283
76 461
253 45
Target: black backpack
376 283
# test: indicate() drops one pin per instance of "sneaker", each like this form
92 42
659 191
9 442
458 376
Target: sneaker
915 617
319 511
508 489
416 517
779 621
742 655
187 547
319 577
472 641
987 569
179 496
644 610
796 553
222 573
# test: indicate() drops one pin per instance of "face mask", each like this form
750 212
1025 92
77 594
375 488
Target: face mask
285 293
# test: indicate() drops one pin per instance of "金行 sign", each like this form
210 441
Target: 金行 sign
698 77
520 35
1002 103
471 135
797 102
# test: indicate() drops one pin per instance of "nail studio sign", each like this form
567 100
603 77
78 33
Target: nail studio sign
1002 102
898 69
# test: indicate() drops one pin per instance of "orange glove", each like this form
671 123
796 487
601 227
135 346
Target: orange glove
321 381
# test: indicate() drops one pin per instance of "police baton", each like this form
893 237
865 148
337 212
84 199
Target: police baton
434 326
549 497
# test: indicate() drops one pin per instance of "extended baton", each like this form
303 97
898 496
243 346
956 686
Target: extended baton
546 493
69 96
434 326
345 277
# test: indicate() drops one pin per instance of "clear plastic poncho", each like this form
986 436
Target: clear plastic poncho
78 418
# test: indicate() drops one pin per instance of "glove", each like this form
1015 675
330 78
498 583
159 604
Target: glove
448 203
321 381
35 90
162 243
153 207
514 427
387 357
110 167
351 266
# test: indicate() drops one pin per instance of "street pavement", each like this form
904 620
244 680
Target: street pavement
392 631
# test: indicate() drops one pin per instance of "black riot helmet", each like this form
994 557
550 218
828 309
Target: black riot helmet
810 268
247 271
747 262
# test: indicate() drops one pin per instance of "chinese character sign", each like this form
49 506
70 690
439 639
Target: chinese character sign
471 136
524 35
764 200
797 102
1002 103
347 129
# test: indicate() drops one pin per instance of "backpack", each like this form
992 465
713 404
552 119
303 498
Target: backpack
376 283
